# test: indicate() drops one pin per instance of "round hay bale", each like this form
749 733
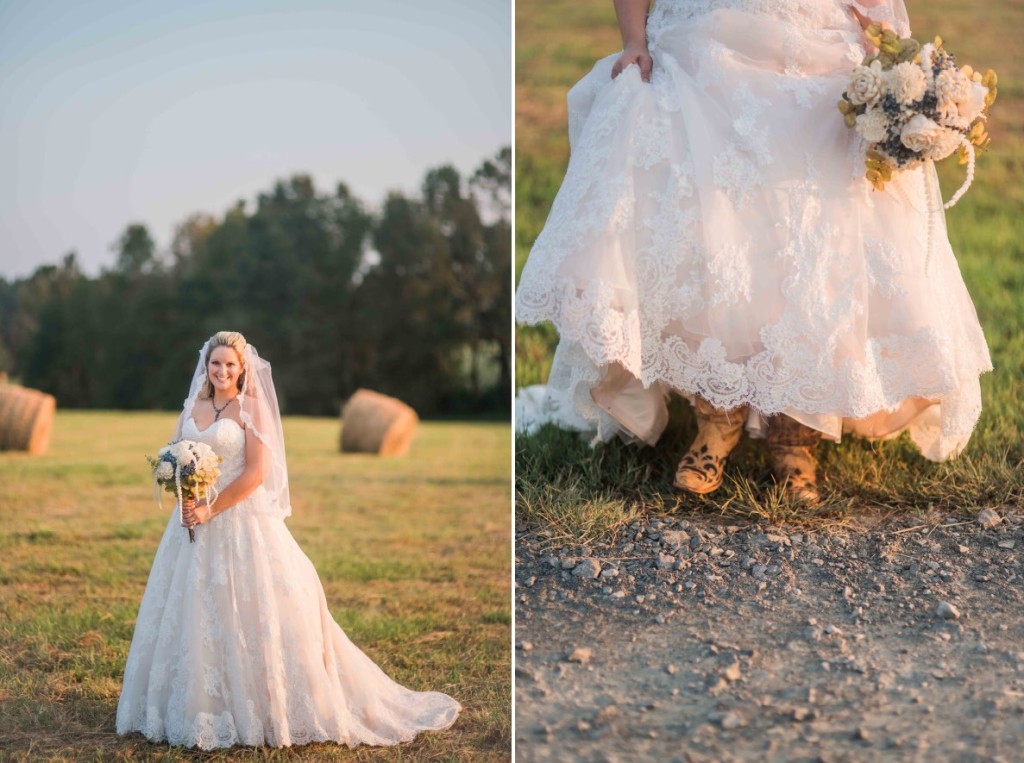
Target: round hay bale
26 419
376 423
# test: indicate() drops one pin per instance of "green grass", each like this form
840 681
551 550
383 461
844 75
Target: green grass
568 492
413 554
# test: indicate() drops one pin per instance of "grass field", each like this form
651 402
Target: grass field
570 492
414 555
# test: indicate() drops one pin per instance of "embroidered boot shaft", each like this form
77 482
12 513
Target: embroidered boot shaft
791 446
701 469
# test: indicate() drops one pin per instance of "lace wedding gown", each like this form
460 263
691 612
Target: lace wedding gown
234 643
714 236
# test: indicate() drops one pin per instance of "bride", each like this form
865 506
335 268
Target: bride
234 643
715 238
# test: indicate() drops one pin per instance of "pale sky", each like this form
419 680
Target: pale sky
141 111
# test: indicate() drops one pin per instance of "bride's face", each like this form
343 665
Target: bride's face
224 369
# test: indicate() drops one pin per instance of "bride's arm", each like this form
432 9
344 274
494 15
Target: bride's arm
238 490
632 16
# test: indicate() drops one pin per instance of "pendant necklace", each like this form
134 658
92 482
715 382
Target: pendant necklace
218 411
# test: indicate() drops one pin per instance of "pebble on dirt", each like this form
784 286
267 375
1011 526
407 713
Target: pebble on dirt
580 654
587 568
988 518
947 611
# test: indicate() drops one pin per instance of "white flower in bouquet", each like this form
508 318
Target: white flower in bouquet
951 87
873 125
920 133
973 104
164 470
865 84
906 82
182 453
944 144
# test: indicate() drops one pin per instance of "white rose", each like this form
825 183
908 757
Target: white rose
944 145
920 133
865 84
906 82
164 470
873 125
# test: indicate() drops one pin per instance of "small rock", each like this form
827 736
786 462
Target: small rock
1007 544
581 654
731 720
801 714
525 646
587 568
962 549
610 572
605 714
569 562
665 561
671 669
733 673
988 518
675 538
947 611
758 570
862 734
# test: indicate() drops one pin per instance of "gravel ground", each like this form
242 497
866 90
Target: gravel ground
687 640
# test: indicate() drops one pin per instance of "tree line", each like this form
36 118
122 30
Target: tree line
412 300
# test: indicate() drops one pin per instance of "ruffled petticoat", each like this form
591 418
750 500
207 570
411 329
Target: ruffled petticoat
714 236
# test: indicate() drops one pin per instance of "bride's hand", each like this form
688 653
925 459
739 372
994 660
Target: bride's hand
638 55
194 512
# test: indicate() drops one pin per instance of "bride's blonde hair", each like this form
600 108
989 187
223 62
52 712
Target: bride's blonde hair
236 342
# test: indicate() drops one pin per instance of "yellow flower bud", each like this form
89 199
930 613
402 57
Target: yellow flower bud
937 42
990 97
968 70
850 119
845 107
990 80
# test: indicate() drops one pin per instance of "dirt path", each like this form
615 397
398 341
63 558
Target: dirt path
716 643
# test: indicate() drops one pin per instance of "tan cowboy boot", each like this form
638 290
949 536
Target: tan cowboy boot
792 446
718 432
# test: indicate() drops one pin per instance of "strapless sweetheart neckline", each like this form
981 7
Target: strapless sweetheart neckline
203 431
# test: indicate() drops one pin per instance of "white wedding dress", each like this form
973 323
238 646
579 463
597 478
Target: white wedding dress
234 643
715 236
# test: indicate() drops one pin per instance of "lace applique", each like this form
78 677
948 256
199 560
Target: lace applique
752 134
730 274
736 174
650 142
802 86
884 268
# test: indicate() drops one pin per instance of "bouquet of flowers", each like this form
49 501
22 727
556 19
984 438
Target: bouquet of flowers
188 469
911 104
